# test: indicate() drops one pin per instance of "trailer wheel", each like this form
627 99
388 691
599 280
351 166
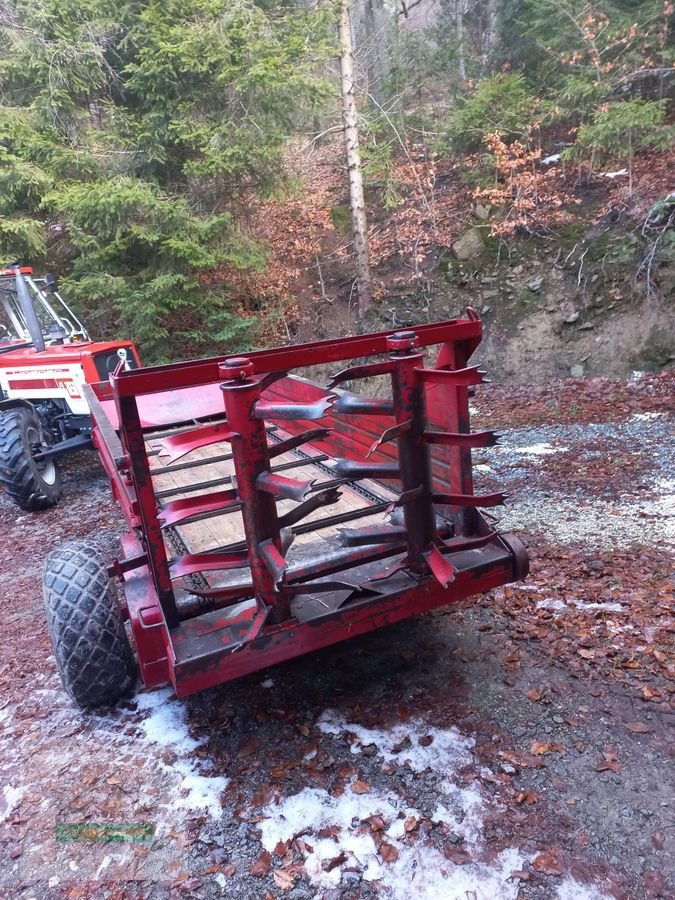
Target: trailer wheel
95 661
32 484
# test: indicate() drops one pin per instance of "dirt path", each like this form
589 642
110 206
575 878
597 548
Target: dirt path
514 747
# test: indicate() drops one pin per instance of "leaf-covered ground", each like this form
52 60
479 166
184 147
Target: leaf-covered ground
516 746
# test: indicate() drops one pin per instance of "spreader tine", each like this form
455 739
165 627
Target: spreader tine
283 488
390 434
365 371
457 545
359 537
192 563
455 377
233 592
443 571
352 404
452 439
313 434
325 498
351 469
409 496
321 587
179 510
400 566
482 500
264 410
175 447
274 560
269 379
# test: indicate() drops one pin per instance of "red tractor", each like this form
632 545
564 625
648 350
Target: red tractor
46 357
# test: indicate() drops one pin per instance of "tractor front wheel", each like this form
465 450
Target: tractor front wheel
85 623
32 483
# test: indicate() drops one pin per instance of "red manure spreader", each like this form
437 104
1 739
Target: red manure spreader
269 516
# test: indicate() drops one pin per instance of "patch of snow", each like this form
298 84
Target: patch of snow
418 868
584 604
645 417
447 750
201 791
221 881
52 883
12 799
483 467
539 450
549 603
267 683
166 726
575 890
616 174
547 160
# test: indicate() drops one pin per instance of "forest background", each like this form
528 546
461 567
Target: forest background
181 166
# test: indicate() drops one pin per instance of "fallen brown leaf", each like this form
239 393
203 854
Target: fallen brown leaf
609 761
638 727
534 695
260 868
528 797
650 693
360 787
248 748
538 748
547 864
388 852
283 879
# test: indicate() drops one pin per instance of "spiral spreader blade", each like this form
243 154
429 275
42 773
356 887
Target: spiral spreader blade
180 510
321 587
269 379
291 411
444 572
453 439
192 563
283 488
365 371
476 500
181 444
351 470
353 404
323 498
291 443
456 377
274 560
360 537
391 434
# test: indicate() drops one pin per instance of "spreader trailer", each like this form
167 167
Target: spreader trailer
269 516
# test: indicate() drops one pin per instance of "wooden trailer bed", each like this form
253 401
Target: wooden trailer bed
212 468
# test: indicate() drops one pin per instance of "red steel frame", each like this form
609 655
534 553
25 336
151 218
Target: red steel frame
443 551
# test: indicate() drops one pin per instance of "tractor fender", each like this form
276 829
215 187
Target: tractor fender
13 404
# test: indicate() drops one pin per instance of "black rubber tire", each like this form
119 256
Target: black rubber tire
32 486
95 661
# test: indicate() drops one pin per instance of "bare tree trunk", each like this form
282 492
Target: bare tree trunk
351 132
490 35
459 28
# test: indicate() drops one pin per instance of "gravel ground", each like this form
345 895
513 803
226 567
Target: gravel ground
516 746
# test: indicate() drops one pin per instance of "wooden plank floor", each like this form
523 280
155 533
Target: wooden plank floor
214 531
